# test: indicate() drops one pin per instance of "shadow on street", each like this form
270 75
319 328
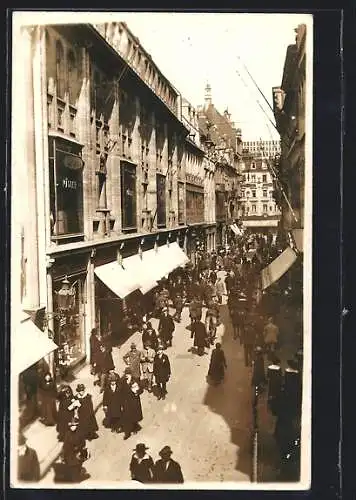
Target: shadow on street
232 399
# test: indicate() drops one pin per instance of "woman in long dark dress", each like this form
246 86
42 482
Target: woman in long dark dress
217 364
66 410
47 396
87 420
131 404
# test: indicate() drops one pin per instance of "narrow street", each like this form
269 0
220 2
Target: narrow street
208 428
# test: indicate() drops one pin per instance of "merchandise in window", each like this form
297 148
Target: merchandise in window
161 200
66 189
68 328
128 195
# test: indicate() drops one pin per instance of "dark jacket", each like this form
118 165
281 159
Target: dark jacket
217 365
142 469
173 474
87 420
47 396
131 401
94 349
104 358
161 368
28 466
199 334
166 327
113 401
73 446
151 337
64 416
258 374
195 309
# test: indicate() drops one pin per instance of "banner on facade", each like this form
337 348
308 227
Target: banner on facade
278 267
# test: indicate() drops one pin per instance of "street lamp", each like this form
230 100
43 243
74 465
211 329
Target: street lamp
66 296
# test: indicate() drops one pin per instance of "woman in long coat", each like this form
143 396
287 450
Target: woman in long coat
73 453
200 336
87 420
131 404
47 396
66 410
217 364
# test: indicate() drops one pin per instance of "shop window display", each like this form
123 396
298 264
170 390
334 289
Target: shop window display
69 331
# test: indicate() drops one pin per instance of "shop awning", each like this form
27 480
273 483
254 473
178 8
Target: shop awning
169 258
236 229
120 281
278 267
28 345
140 267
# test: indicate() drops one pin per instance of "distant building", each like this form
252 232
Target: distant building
223 145
259 209
269 149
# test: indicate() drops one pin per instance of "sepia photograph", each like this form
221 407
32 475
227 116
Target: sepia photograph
161 250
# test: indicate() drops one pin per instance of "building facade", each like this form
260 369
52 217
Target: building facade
223 145
289 110
260 212
114 179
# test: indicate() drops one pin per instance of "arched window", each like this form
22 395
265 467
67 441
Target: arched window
60 70
72 76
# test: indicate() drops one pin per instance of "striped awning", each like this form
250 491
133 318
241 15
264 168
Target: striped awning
276 269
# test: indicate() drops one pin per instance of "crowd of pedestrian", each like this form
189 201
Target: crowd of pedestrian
198 288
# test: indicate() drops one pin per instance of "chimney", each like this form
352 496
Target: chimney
207 97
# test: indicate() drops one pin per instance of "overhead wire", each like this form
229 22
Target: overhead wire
274 175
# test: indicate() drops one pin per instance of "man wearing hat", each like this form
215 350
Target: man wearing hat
166 469
141 465
87 420
161 371
132 359
147 358
166 327
112 403
270 334
73 454
178 304
149 336
28 467
131 403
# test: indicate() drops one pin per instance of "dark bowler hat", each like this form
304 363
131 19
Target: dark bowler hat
166 450
80 387
141 447
128 370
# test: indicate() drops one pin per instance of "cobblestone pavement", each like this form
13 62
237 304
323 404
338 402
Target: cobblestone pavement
208 428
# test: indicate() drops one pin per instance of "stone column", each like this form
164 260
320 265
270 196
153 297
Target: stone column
85 133
31 241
